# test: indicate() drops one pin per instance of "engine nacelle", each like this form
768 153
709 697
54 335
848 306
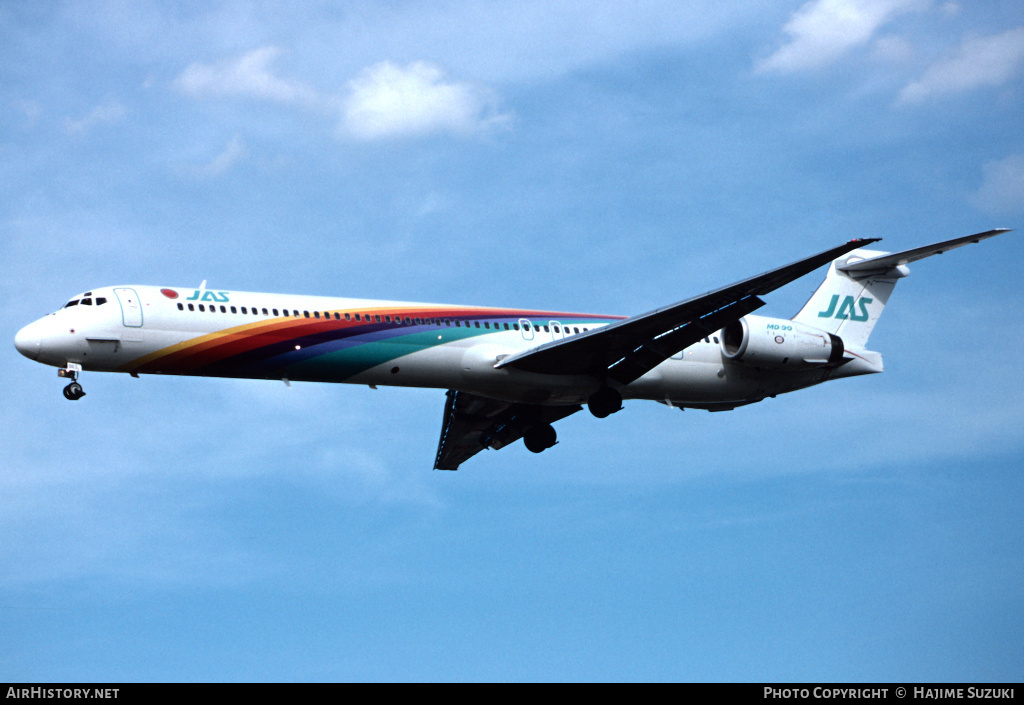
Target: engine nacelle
779 344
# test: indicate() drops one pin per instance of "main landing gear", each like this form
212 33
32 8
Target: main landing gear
540 438
74 391
604 402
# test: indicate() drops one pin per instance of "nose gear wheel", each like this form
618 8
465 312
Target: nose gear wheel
74 391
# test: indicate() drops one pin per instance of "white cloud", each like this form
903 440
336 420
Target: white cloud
821 31
980 61
387 100
249 76
32 111
950 9
234 151
108 113
892 50
1002 191
384 100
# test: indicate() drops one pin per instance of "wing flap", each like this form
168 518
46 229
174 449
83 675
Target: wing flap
652 353
472 423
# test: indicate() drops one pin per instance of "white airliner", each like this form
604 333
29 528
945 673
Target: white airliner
509 373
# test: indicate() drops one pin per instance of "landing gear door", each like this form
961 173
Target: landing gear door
131 307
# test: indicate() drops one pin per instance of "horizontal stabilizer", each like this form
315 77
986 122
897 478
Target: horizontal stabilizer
886 264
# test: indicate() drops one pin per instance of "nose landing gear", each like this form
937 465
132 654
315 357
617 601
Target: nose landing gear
73 391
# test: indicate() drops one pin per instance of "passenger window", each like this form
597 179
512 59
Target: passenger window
316 314
191 307
575 329
267 314
181 306
716 340
487 325
515 326
243 310
233 309
275 311
223 310
377 318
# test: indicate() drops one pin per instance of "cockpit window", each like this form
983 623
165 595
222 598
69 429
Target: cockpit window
87 302
100 301
72 302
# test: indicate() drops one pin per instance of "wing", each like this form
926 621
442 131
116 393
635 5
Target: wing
472 423
628 349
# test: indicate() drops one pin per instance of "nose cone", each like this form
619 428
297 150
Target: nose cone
29 341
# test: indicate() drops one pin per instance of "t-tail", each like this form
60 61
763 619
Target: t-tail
857 287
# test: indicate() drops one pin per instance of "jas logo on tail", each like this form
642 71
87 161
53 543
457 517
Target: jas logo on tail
846 311
202 295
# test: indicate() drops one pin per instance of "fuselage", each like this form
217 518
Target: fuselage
216 333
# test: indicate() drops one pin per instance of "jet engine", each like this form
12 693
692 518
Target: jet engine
780 344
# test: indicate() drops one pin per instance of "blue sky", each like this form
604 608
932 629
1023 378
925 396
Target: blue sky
610 158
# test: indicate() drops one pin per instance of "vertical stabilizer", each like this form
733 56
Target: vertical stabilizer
848 305
857 287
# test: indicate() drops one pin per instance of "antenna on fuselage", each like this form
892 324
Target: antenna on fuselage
203 285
